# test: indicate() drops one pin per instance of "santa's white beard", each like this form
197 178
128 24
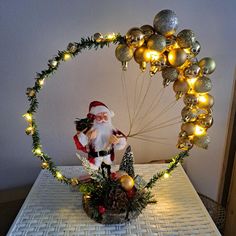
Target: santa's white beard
104 131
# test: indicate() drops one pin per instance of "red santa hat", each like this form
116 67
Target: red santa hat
96 107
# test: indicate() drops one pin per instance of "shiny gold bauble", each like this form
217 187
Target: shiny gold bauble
190 100
44 165
74 181
185 38
201 141
189 114
192 71
205 101
188 127
123 53
98 37
184 144
207 65
134 37
205 121
165 22
157 43
180 87
147 31
127 182
202 85
140 55
177 57
196 48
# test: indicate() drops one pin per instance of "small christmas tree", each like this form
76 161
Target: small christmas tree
127 163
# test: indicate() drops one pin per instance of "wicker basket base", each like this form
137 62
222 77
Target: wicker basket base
109 217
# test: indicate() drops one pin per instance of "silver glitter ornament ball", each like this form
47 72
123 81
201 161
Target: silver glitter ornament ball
185 38
165 22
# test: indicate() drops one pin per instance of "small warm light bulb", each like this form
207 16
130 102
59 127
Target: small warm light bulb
111 36
154 55
29 130
41 82
38 151
59 175
199 130
66 56
187 50
202 99
191 82
28 117
166 175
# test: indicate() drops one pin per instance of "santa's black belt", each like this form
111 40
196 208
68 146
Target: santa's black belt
99 154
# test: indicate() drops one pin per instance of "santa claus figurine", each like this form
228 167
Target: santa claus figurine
101 138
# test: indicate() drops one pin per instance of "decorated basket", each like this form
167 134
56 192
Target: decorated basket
112 197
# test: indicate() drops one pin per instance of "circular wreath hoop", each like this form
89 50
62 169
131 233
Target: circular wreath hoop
197 96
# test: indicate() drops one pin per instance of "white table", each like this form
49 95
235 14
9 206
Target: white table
51 208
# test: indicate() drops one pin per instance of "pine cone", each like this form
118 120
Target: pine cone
118 200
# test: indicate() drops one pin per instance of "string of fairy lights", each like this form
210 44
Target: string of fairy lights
173 56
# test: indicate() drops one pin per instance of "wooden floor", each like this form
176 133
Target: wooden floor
8 212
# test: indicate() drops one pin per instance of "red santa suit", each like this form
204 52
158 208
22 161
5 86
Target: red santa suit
99 149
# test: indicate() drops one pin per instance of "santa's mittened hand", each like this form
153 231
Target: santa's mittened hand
113 140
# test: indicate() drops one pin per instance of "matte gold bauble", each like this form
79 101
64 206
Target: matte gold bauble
202 85
189 114
180 87
190 100
192 71
134 37
185 38
207 65
188 127
184 144
177 57
44 165
127 182
205 101
205 122
147 31
165 22
201 141
157 43
123 53
196 48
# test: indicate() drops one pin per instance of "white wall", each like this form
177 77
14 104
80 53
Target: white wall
32 31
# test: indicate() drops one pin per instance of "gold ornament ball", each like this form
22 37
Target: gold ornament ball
180 86
203 85
188 127
190 100
207 65
123 53
192 71
157 43
185 38
147 31
177 57
165 22
135 37
140 55
184 144
189 114
201 141
127 182
205 101
170 73
74 181
44 165
205 121
196 48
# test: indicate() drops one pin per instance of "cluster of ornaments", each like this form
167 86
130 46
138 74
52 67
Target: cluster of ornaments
174 55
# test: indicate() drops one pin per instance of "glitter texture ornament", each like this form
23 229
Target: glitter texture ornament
123 53
202 85
185 38
169 74
165 22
